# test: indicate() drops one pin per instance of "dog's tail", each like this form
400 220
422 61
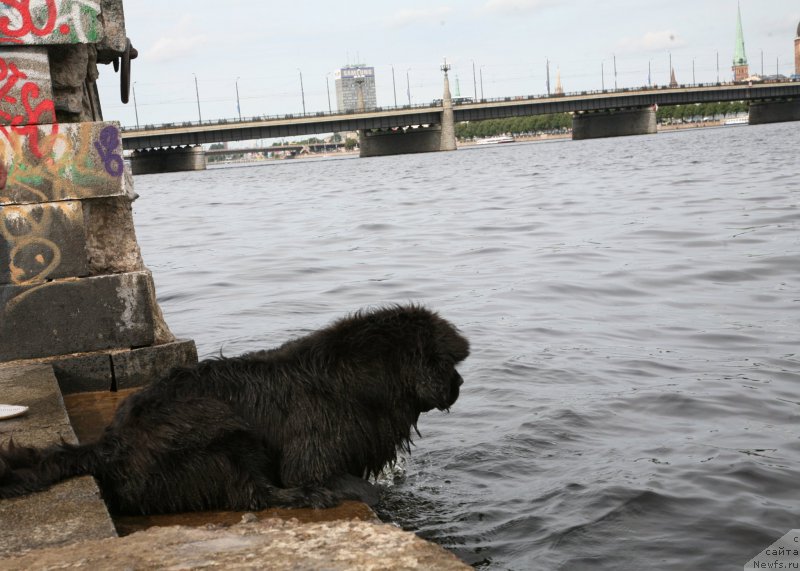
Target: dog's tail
24 470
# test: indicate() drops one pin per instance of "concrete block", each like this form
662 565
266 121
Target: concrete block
83 372
139 367
67 513
120 369
26 88
41 242
48 22
114 35
111 236
71 161
72 315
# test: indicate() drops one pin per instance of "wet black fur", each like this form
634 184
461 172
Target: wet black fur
295 426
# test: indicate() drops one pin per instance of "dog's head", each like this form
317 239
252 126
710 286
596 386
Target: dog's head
447 347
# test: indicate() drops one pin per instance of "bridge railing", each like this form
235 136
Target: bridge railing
437 103
260 118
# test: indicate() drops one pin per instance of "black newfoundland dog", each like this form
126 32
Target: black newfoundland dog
301 425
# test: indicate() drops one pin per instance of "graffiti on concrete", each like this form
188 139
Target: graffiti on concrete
29 251
25 99
32 22
80 160
106 146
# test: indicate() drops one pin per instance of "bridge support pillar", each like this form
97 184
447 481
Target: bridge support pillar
600 124
153 161
400 142
774 111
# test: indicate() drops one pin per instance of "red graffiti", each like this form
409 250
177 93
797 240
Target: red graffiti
35 112
11 81
25 21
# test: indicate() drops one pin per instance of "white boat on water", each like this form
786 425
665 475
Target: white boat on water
743 120
495 140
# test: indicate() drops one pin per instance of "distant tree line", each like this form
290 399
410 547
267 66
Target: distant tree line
514 126
700 110
561 121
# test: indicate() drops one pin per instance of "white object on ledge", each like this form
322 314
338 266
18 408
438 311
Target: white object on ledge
11 411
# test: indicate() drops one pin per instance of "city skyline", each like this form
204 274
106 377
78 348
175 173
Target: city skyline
259 53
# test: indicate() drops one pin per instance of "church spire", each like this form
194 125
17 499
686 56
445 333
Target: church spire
740 68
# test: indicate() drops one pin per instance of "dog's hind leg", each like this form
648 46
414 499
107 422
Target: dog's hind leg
232 472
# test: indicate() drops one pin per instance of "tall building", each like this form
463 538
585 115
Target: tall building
797 52
355 89
740 69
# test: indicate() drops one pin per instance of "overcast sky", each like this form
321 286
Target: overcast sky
266 45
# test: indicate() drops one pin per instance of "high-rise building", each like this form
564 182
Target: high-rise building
797 52
741 71
355 88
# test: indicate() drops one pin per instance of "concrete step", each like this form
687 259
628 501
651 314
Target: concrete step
70 315
120 369
66 513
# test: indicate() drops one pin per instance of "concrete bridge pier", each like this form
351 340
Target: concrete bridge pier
615 123
762 112
153 161
422 139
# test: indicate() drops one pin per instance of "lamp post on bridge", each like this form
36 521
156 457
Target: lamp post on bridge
408 86
302 91
548 78
135 106
602 75
669 73
328 89
197 92
474 80
394 87
238 104
480 71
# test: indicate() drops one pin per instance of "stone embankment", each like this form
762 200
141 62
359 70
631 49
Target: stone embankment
269 544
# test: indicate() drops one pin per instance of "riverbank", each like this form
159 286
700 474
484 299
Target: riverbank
461 144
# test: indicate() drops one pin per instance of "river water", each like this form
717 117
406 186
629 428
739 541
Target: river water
632 400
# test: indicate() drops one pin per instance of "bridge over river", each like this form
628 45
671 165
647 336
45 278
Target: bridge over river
420 128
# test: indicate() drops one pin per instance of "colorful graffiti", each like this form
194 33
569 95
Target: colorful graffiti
81 160
32 22
24 105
